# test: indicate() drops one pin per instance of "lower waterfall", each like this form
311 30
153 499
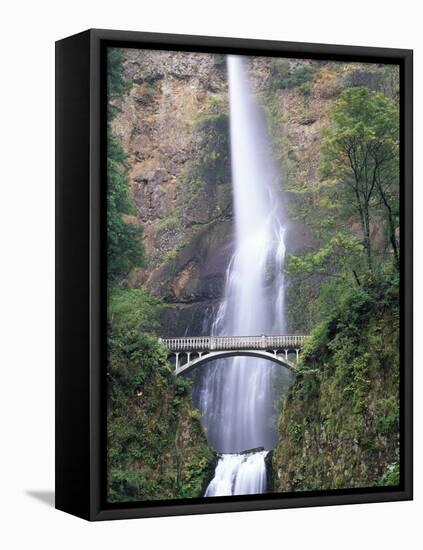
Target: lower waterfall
239 474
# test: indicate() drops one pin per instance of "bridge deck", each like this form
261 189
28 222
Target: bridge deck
222 343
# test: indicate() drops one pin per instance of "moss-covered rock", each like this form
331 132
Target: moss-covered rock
339 427
157 448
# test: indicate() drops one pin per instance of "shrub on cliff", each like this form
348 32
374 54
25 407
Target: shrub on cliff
340 424
124 245
156 445
283 76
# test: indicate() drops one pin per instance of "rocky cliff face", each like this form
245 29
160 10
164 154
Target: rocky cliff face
173 125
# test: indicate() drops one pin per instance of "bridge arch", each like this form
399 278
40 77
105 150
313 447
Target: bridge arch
202 359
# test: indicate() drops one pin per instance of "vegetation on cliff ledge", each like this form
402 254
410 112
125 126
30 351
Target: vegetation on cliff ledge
156 445
340 423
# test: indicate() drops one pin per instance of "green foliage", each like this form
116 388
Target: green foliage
339 254
354 211
391 476
370 79
191 481
125 482
124 245
284 76
360 151
391 81
133 309
117 84
203 189
360 172
156 446
364 123
168 224
388 415
340 425
346 308
212 166
301 307
195 186
295 432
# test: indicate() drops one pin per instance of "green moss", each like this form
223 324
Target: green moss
194 187
295 432
388 415
339 427
170 223
284 76
156 445
391 476
197 469
211 167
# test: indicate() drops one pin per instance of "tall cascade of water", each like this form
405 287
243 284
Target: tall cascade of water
237 394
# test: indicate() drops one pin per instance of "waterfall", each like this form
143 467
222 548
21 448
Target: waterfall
237 396
239 474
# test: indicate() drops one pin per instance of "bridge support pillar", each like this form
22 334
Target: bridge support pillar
297 351
286 354
177 360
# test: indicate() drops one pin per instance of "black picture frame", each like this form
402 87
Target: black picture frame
80 273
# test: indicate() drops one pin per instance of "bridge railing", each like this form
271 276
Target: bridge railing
221 343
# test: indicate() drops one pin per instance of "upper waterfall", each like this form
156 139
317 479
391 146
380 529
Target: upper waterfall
237 401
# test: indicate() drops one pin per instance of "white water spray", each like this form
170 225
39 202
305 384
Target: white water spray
237 397
238 474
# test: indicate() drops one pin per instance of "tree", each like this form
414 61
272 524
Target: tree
360 152
117 84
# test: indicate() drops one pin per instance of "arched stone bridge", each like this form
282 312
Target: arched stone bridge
194 351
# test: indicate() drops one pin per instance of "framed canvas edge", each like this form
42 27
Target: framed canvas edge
404 58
